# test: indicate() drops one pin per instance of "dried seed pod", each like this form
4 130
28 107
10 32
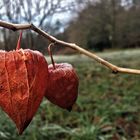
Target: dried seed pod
63 85
23 82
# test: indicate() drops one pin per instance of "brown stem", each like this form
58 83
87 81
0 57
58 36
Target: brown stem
114 68
50 53
19 41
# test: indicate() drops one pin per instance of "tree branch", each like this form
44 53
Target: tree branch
115 69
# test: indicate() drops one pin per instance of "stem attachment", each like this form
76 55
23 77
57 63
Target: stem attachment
50 53
19 41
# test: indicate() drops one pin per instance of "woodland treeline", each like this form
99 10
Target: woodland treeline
93 24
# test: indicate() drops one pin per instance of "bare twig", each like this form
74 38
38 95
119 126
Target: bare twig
114 68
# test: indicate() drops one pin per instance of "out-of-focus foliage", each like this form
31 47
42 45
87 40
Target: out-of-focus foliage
107 24
94 24
107 106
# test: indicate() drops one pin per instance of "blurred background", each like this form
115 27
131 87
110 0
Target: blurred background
108 105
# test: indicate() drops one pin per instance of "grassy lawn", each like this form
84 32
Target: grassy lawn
108 106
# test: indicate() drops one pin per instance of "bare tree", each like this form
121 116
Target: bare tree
40 12
36 11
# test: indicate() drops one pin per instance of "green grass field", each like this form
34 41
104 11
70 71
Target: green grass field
108 106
